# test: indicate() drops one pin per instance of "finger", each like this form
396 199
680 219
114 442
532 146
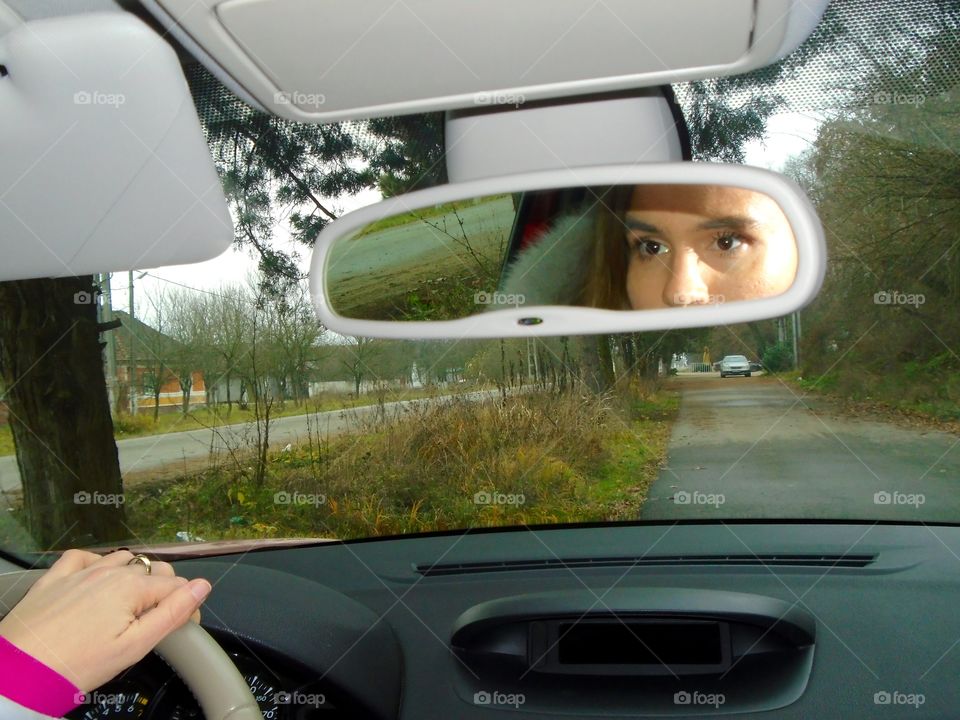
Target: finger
158 568
115 559
70 562
150 591
162 569
173 611
196 617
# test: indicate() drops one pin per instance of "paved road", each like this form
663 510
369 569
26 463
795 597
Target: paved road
750 441
173 450
391 262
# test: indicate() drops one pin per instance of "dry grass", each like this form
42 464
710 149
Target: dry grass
547 457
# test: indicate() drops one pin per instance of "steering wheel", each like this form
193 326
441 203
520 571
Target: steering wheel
196 657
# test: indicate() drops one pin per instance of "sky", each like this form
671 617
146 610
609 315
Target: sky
787 135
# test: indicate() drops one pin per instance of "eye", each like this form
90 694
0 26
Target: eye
726 242
649 248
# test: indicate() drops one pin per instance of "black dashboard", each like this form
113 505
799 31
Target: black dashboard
801 620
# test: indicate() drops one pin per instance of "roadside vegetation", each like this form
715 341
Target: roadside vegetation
919 393
129 426
884 333
520 459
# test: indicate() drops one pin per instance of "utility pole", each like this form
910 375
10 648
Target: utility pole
796 339
106 320
132 379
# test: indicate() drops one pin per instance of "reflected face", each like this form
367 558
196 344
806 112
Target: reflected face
702 244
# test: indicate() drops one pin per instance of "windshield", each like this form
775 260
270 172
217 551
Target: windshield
205 403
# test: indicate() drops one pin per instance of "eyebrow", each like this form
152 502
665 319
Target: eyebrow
730 221
634 224
721 223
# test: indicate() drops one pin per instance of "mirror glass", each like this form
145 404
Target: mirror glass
625 247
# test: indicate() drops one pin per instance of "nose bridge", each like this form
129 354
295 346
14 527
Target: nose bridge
686 285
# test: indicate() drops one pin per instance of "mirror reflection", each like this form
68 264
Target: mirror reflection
626 247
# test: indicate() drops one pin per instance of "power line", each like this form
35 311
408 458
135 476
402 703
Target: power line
174 282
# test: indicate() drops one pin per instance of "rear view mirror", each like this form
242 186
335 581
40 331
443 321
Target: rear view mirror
579 251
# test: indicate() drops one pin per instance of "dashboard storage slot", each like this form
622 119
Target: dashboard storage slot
649 651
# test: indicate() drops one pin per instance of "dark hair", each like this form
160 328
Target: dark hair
605 282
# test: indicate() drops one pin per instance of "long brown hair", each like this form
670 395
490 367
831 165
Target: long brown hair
605 284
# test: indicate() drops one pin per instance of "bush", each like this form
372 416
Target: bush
132 424
778 357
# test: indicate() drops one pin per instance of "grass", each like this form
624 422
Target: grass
623 480
129 426
915 391
426 213
545 458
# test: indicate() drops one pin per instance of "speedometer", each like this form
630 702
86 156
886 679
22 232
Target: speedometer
116 702
267 695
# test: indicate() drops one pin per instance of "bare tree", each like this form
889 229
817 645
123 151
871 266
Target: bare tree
359 358
155 347
186 328
298 336
229 316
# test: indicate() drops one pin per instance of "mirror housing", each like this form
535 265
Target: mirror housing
554 320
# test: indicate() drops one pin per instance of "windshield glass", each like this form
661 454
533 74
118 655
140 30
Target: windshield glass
203 403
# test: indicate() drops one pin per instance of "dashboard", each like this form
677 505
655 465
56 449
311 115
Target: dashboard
795 620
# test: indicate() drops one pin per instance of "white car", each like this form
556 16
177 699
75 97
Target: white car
734 365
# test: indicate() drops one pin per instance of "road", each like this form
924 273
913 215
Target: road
148 455
364 273
754 448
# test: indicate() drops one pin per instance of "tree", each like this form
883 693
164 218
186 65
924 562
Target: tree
259 372
357 359
883 174
52 369
185 318
268 165
228 323
155 347
406 153
297 334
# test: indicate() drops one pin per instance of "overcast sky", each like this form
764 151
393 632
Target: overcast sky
787 134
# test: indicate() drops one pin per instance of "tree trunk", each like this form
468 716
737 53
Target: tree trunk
186 388
629 355
605 355
51 362
156 402
597 362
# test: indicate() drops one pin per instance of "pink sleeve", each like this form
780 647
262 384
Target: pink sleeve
28 682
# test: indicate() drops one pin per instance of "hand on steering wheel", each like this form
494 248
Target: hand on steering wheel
89 617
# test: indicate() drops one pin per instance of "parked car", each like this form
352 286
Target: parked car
734 365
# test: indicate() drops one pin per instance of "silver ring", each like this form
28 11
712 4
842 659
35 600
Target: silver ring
142 559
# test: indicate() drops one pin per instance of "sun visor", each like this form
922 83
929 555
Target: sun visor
105 166
340 59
